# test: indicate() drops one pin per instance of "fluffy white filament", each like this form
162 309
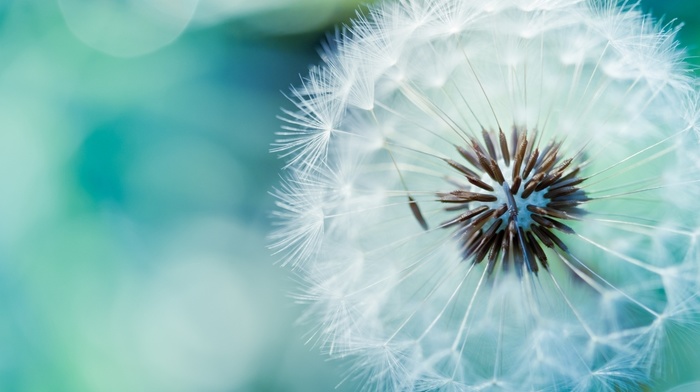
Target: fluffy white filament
375 124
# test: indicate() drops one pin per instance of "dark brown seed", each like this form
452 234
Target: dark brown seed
477 182
559 192
519 155
480 221
555 240
506 246
465 196
548 161
504 147
552 224
543 221
531 163
472 231
475 240
562 227
512 228
464 217
548 180
537 249
527 251
565 204
476 146
572 174
562 182
416 213
496 249
497 172
469 156
485 164
489 144
562 166
531 185
481 250
578 195
487 240
513 241
516 185
500 211
470 241
461 168
514 141
554 213
459 207
539 232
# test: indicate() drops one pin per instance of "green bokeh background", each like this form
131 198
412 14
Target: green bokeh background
134 179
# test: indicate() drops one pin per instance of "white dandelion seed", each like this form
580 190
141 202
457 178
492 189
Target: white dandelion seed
497 195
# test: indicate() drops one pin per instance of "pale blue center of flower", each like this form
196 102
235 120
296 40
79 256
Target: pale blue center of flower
523 217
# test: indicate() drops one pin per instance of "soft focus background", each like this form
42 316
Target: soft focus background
134 172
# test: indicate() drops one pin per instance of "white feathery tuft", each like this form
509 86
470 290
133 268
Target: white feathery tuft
496 196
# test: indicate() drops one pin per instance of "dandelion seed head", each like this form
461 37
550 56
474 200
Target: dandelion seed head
495 195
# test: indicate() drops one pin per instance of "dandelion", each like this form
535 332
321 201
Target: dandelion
496 195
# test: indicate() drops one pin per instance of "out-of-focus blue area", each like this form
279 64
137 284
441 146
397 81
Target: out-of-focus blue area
134 172
135 169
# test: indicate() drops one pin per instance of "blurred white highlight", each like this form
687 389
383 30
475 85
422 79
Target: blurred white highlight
127 28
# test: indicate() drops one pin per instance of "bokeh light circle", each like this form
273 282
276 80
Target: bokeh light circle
127 28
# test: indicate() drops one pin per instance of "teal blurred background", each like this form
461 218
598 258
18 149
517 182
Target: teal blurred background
134 172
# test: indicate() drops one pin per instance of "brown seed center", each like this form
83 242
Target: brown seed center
514 199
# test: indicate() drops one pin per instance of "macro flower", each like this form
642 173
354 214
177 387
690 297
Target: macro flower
496 195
